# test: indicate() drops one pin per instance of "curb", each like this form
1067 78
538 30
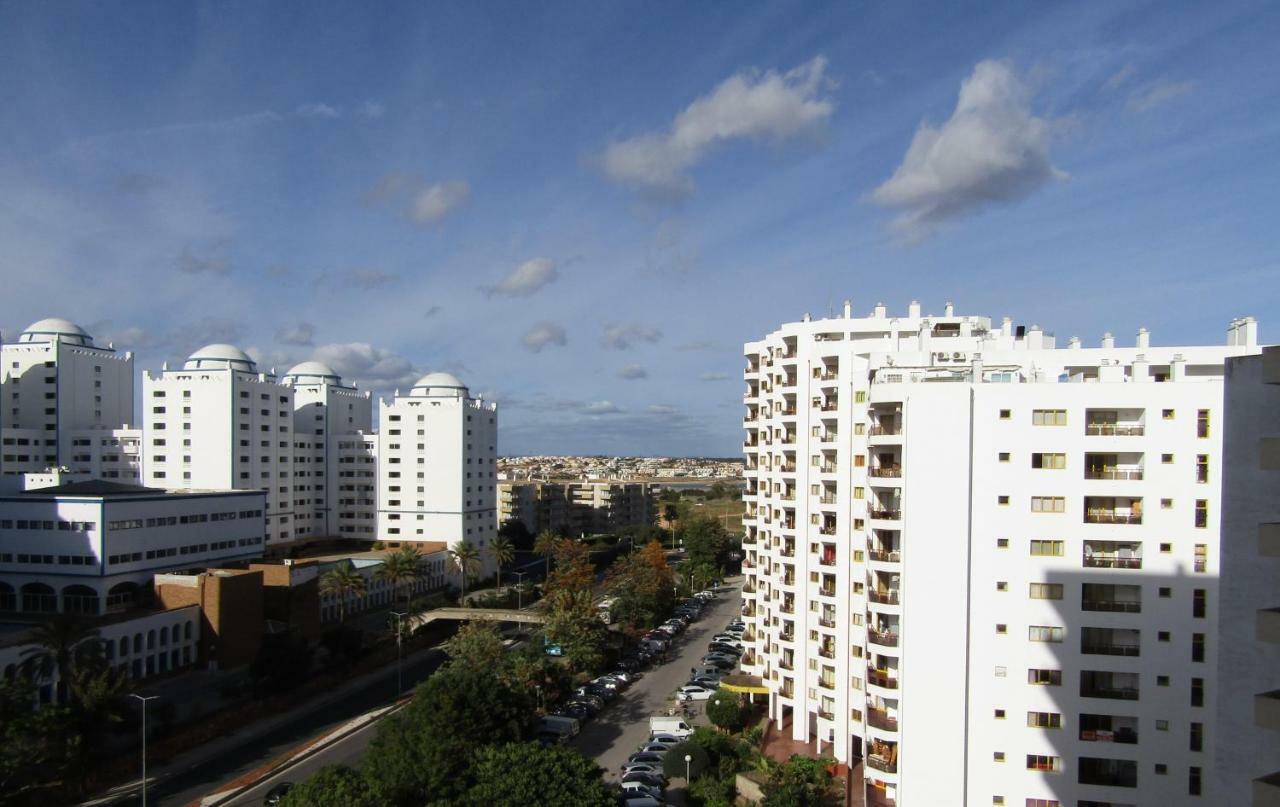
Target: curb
300 754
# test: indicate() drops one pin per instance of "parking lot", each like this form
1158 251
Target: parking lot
621 728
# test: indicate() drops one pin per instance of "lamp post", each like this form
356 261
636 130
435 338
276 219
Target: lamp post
688 764
144 742
519 590
399 615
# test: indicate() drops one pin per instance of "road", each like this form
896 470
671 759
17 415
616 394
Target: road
621 728
346 751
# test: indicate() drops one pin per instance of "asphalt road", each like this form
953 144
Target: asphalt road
346 751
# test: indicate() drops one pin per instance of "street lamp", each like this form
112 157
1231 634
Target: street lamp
688 761
520 590
399 650
144 742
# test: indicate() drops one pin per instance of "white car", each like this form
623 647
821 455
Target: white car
631 789
694 692
654 748
665 739
642 767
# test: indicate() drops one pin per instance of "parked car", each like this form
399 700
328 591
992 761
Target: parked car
694 692
721 661
651 779
641 789
705 681
644 758
640 801
670 725
582 711
664 738
625 676
656 748
721 647
632 768
276 794
595 701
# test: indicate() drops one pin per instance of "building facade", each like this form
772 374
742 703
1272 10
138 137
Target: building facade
437 465
982 563
220 424
576 507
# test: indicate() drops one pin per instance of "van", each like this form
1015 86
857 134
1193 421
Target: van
675 726
562 725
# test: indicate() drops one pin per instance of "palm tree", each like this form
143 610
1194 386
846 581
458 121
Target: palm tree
503 552
342 581
545 545
466 557
60 645
400 568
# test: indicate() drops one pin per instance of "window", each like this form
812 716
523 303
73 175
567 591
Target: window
1197 647
1162 636
1045 633
1040 762
1165 592
1002 500
1048 504
1166 548
1198 603
1202 513
1043 803
1002 585
1046 548
1002 629
1197 692
1193 780
1044 720
1004 456
1197 736
1049 417
1162 680
1167 459
1046 591
1055 462
1044 678
1166 504
1202 423
1161 769
1167 414
1005 414
1002 543
1202 468
997 756
860 396
999 714
1162 725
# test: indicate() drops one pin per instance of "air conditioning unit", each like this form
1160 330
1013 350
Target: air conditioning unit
957 356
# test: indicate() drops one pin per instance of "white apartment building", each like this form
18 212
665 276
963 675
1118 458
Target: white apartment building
576 507
437 463
984 564
1247 765
219 423
55 383
329 421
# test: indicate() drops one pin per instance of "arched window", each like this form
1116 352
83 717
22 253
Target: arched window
79 599
164 636
151 639
39 598
8 598
122 597
186 631
137 642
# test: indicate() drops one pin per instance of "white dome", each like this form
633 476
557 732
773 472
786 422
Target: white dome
310 371
436 385
219 356
56 328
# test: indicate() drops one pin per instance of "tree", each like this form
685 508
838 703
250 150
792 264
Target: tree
642 587
342 581
503 553
401 568
32 739
801 782
515 531
421 755
545 545
467 558
332 786
477 645
60 644
671 515
705 541
572 620
727 711
524 774
674 766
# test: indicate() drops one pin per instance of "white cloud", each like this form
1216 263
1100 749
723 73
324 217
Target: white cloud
542 335
367 365
362 278
1120 77
698 344
526 279
633 372
751 104
661 409
190 264
713 376
602 408
318 111
622 336
302 334
433 203
991 150
1161 92
373 109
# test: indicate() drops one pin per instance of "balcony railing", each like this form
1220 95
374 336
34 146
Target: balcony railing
827 467
827 561
1114 430
1109 649
886 597
885 431
1113 473
826 714
827 591
1111 517
881 679
826 622
1118 606
786 665
881 720
891 471
881 763
883 638
787 636
827 530
827 500
827 652
887 515
1113 693
1122 735
880 556
828 375
1097 561
827 683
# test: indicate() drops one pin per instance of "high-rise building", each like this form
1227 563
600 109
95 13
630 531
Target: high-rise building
983 564
57 386
219 423
1247 763
437 465
327 415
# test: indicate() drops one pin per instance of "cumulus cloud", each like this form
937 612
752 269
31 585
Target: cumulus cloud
431 204
622 336
367 365
525 279
543 335
661 409
992 150
713 376
1158 93
752 104
633 372
317 111
191 264
602 408
302 334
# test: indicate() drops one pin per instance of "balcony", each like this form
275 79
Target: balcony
827 468
883 596
1110 649
1114 430
1112 555
827 560
881 678
789 666
827 621
882 720
829 499
885 431
827 651
1267 625
827 683
826 375
880 556
1114 606
1109 685
885 515
887 472
1266 710
882 638
1103 515
827 529
827 591
1133 474
826 714
882 763
1266 790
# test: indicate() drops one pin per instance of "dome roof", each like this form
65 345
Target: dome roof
219 356
439 385
62 330
313 369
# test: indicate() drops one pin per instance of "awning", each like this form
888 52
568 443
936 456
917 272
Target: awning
746 684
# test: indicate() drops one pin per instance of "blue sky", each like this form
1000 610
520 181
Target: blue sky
584 209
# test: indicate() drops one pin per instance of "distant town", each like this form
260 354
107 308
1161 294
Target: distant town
638 468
